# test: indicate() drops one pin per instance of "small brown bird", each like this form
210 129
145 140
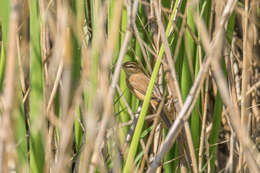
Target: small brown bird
137 81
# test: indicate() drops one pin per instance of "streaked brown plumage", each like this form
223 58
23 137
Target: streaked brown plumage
137 81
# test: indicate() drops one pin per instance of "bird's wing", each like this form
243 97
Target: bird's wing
138 84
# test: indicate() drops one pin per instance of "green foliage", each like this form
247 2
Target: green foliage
91 68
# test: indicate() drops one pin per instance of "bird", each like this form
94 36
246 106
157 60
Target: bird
137 81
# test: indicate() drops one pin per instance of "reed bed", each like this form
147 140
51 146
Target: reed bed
66 107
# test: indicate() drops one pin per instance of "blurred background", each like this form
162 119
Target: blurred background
65 105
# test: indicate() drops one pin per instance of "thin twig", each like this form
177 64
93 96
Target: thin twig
246 75
7 145
174 78
191 98
203 128
149 141
109 98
